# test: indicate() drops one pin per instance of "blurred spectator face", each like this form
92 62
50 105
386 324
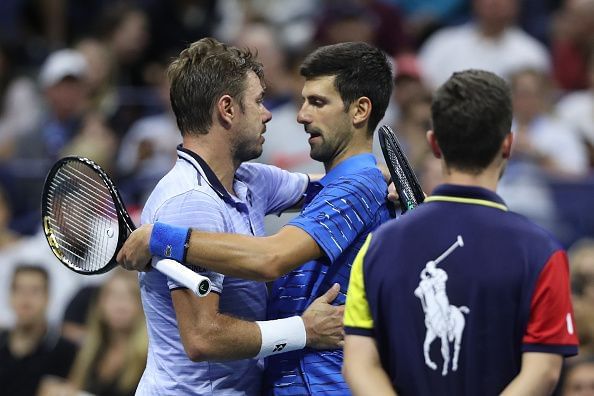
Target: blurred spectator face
67 98
131 36
261 38
119 302
495 14
99 61
528 96
29 297
579 380
5 213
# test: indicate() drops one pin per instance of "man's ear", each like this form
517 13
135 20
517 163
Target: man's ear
506 146
361 110
226 110
432 140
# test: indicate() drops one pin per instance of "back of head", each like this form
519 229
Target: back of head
360 70
471 114
202 73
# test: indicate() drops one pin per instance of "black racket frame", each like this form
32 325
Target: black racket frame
125 223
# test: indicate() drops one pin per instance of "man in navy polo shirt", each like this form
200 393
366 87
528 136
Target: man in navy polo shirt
346 93
461 296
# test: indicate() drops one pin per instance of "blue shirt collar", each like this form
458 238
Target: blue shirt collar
349 166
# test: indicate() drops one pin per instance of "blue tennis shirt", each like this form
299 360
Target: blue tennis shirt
350 204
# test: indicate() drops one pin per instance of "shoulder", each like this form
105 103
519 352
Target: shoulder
182 186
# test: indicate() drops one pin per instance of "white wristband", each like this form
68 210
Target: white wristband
281 335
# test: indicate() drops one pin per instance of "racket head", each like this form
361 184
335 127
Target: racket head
84 220
410 193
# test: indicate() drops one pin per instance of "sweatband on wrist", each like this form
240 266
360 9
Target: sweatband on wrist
281 335
169 241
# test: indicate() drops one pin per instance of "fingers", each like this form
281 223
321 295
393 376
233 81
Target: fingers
332 293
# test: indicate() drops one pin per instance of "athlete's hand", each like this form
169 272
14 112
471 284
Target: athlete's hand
323 321
393 194
135 254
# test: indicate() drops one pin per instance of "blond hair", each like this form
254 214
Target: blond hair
97 339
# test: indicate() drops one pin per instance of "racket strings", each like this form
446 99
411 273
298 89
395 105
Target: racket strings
82 217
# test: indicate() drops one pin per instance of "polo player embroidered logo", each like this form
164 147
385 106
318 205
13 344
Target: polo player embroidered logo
441 319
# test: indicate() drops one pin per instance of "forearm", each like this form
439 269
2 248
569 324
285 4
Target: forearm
538 376
362 368
367 380
235 255
207 334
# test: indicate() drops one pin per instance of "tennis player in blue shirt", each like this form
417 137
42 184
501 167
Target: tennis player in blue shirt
345 95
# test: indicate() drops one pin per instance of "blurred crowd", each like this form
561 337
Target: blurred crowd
87 79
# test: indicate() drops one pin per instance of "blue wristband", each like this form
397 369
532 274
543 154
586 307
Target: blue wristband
169 241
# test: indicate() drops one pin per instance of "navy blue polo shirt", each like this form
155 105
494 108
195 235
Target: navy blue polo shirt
456 291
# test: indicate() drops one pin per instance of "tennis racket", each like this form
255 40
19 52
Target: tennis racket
86 223
410 193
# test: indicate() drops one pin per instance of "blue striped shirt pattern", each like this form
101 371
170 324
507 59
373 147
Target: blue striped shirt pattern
191 195
351 204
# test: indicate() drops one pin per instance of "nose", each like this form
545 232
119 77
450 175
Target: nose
267 116
303 116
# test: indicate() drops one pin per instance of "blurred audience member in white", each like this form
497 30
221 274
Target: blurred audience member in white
543 146
492 42
31 349
577 109
16 93
113 356
578 378
63 81
148 149
294 20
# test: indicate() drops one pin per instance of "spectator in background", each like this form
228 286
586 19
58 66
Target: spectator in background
578 378
371 21
543 147
101 76
148 149
573 36
577 109
32 349
16 93
7 236
492 42
581 257
63 81
113 355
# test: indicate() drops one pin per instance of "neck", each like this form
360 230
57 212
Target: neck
492 31
487 179
24 338
214 150
362 146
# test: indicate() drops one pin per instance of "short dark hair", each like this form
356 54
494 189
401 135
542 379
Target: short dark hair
471 115
360 70
202 73
21 268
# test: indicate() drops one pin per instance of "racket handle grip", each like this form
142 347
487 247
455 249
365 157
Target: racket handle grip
198 284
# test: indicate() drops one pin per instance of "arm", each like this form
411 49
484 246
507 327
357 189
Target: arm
208 334
538 376
242 256
362 368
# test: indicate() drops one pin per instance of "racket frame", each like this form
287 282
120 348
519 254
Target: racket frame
410 193
125 223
